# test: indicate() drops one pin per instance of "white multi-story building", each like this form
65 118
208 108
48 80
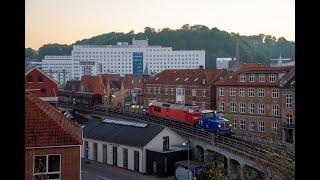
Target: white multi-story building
131 59
223 63
58 67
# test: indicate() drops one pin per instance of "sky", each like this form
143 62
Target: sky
66 21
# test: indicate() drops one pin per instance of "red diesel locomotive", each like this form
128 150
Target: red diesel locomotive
178 112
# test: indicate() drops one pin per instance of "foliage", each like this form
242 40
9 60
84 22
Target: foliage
216 43
30 54
212 172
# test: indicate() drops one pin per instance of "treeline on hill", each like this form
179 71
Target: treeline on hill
216 43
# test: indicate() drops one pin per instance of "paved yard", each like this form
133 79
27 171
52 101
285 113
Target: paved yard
98 171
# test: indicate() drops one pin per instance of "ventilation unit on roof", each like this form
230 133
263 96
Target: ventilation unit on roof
186 79
157 78
177 79
196 79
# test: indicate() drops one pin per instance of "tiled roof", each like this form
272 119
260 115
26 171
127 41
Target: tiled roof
186 76
131 81
232 77
94 84
46 126
40 71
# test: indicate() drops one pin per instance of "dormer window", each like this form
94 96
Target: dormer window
251 78
40 79
242 78
262 78
30 79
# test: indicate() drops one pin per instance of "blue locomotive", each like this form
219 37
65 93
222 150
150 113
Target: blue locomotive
214 122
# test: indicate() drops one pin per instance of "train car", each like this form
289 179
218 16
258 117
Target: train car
178 112
214 122
79 99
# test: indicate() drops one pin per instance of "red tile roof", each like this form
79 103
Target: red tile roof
232 77
186 76
94 84
131 81
75 83
46 126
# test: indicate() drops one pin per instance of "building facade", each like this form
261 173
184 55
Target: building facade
58 67
52 142
41 85
194 87
223 63
131 59
253 95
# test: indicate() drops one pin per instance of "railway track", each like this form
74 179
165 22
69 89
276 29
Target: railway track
250 149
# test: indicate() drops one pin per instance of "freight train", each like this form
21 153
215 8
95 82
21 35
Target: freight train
205 119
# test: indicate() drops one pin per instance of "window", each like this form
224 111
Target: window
275 128
171 91
251 78
95 151
149 90
166 91
221 106
136 160
275 110
242 92
275 93
232 91
30 79
204 93
166 143
242 107
194 92
46 167
261 109
180 91
86 149
242 78
105 153
221 91
289 101
261 126
262 78
155 90
260 92
251 92
193 103
235 124
251 108
272 78
252 126
125 157
289 120
159 89
243 124
40 79
233 107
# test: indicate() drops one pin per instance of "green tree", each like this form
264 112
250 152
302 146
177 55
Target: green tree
213 172
30 54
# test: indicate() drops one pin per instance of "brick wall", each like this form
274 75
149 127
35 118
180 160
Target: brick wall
49 85
70 161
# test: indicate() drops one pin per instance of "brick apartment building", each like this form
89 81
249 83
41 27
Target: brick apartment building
41 85
253 94
52 142
184 86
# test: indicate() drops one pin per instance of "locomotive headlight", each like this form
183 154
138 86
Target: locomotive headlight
219 126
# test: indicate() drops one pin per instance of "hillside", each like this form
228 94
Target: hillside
216 43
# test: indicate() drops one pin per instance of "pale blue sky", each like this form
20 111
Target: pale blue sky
65 21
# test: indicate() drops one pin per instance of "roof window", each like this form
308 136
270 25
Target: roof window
196 79
186 79
177 79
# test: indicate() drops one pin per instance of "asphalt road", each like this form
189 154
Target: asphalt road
99 171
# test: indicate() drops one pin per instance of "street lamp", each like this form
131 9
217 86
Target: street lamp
187 143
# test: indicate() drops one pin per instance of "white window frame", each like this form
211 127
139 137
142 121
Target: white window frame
194 92
243 124
252 125
275 128
233 107
275 110
251 77
262 78
261 109
261 92
272 77
289 99
204 93
47 166
242 92
251 108
166 91
242 108
232 92
221 91
275 93
221 106
171 91
235 124
242 78
251 92
289 120
261 126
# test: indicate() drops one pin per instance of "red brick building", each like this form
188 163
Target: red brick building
253 95
73 85
41 85
52 142
184 86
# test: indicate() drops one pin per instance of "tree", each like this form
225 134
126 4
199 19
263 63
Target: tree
30 54
212 172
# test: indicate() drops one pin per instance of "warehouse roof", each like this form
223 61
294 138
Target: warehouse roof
121 133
